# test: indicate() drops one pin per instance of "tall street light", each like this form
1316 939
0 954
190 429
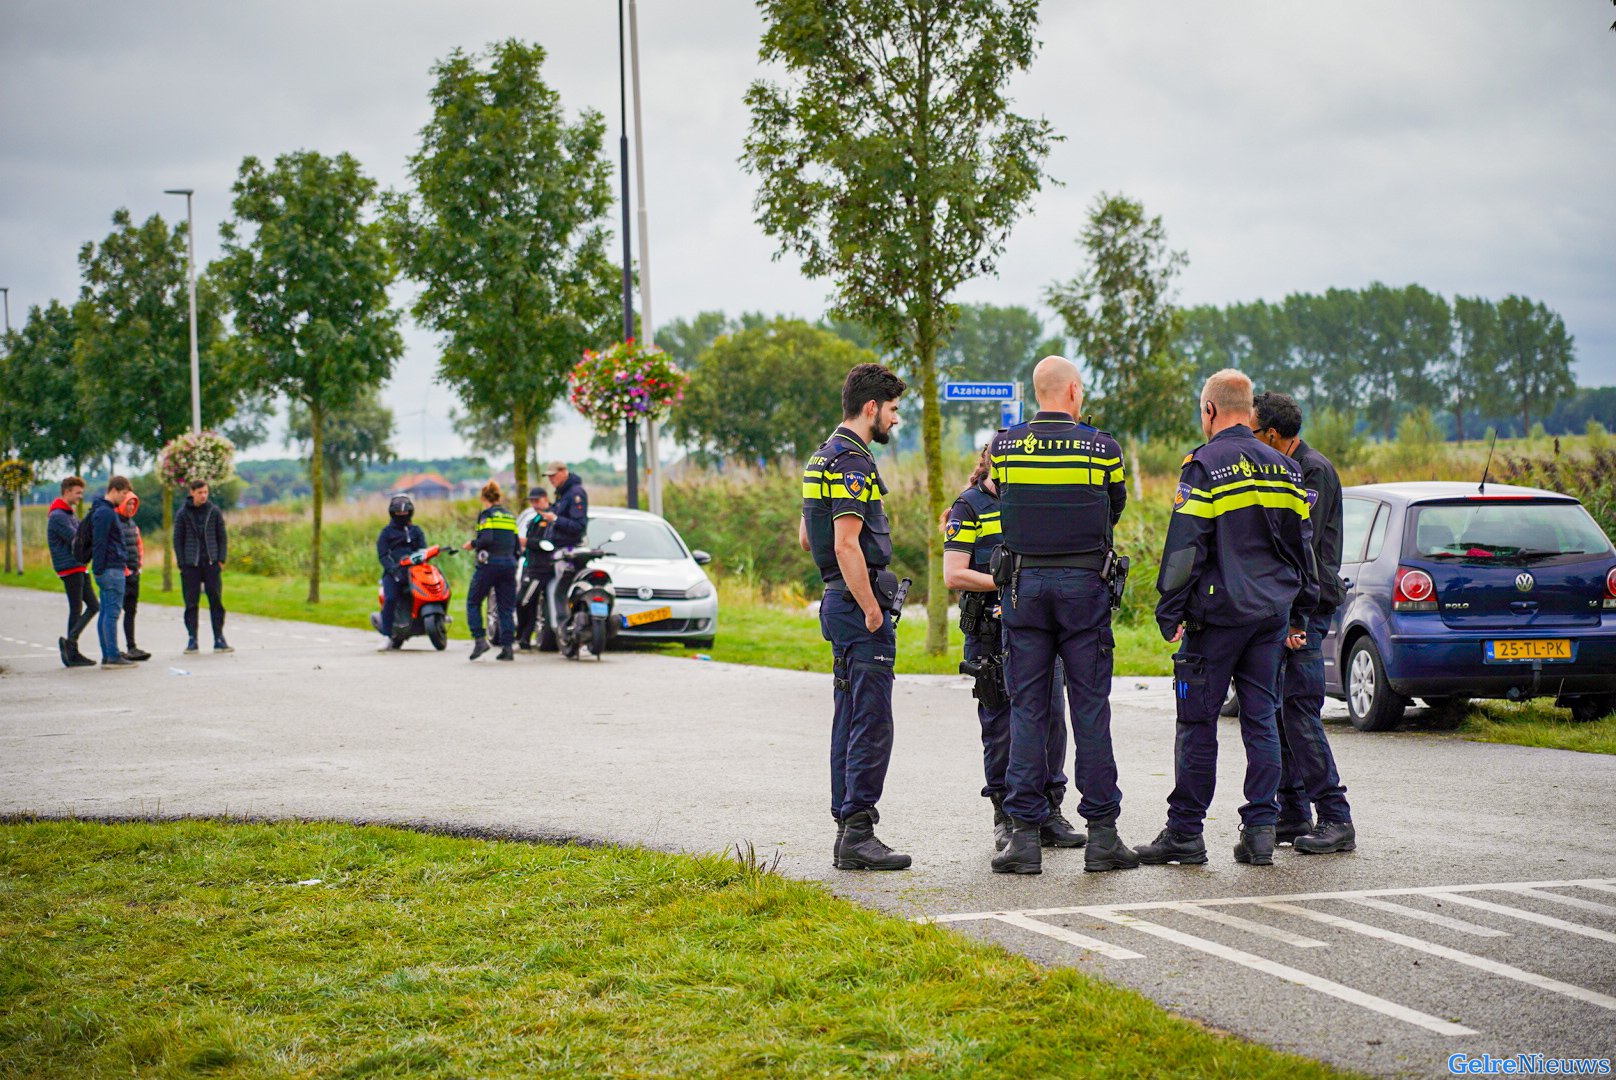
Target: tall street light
190 273
654 465
5 295
631 434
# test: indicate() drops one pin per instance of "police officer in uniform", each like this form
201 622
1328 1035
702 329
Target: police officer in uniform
844 526
1307 772
495 544
1061 492
1236 580
537 565
971 533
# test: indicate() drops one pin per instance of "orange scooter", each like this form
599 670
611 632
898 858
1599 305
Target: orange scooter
428 600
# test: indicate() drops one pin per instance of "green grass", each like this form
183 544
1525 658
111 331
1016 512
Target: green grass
1537 723
191 948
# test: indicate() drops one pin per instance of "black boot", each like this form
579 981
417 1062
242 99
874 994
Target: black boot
478 647
1329 838
136 653
862 850
1001 824
76 658
1106 851
836 850
1170 846
1056 830
1289 829
61 650
1256 845
1023 855
505 653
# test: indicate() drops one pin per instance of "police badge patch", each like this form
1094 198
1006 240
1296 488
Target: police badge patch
855 483
1312 498
1180 494
953 528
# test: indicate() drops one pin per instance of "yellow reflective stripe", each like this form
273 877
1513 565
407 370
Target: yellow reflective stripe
839 491
1066 474
1282 485
1087 458
987 528
1274 500
966 535
502 523
814 491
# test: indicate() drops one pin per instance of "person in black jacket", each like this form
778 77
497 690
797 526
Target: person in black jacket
62 525
109 561
200 547
1308 775
399 537
496 546
135 548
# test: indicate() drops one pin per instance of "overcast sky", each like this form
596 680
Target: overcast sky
1466 145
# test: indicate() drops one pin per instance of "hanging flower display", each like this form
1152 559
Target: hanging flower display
16 477
627 381
204 455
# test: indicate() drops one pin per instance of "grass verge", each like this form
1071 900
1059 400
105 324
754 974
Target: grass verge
301 949
1537 723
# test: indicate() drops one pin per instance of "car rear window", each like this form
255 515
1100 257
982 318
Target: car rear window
1505 531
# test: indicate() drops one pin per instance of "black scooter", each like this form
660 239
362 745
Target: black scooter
580 601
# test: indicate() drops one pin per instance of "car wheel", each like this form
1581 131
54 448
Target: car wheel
1371 704
1591 707
1446 713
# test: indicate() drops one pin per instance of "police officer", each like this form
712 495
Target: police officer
1061 492
398 538
1236 580
495 544
1307 772
537 565
971 533
568 518
844 525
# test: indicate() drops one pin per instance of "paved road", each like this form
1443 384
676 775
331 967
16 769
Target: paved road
1478 916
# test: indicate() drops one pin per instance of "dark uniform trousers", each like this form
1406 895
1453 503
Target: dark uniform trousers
1060 613
398 602
1207 660
1307 767
530 594
996 731
497 576
861 729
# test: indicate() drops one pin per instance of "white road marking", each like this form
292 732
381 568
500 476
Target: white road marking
1534 917
1599 888
1289 974
1568 901
1480 963
1427 916
29 644
1223 918
1070 937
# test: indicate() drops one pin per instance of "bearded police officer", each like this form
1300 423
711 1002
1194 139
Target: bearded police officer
844 526
1236 581
1061 491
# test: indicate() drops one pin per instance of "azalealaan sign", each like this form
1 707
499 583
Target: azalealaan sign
979 391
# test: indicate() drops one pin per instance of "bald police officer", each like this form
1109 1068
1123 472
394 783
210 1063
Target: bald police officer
1061 491
844 525
1236 581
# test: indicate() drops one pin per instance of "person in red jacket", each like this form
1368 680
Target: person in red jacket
82 606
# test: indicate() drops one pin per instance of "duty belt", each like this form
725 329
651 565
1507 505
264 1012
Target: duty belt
1093 560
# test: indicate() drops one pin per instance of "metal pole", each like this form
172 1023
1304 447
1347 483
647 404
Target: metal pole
631 435
654 465
5 295
190 273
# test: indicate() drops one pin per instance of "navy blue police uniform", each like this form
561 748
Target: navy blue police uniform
571 509
1061 492
538 567
1236 572
841 480
395 542
974 527
495 573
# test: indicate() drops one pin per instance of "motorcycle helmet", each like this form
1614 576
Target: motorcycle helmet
401 510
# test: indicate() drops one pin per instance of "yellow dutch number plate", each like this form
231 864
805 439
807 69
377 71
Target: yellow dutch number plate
1538 649
654 615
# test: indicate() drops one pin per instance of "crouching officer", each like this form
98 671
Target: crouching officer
398 538
844 526
538 566
1061 491
495 544
971 534
1236 580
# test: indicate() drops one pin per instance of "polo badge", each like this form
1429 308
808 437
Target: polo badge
855 484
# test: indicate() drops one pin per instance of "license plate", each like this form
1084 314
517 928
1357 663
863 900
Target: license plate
640 618
599 609
1533 649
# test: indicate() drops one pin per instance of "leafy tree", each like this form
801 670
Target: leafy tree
356 437
686 340
996 344
308 277
763 394
504 233
1405 337
133 345
42 413
890 161
1470 376
1325 346
1535 356
1119 311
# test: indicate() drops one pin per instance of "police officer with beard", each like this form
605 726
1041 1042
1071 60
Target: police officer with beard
844 525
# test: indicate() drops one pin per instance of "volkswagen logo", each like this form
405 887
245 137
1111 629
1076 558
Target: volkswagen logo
645 592
1523 582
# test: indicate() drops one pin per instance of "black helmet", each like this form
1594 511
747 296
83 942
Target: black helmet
402 508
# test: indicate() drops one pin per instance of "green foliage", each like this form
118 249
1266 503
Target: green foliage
994 343
889 161
1335 435
1418 452
42 416
356 437
1590 477
767 394
1598 436
308 277
504 234
1535 355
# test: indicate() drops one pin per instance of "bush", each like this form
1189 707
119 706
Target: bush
1420 450
1335 435
1598 436
1590 477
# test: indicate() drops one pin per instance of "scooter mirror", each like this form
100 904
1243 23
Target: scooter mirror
616 536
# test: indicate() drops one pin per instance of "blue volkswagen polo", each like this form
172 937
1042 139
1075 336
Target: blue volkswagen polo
1455 592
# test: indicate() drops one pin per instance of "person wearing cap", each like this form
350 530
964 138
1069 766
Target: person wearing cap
537 565
567 518
399 537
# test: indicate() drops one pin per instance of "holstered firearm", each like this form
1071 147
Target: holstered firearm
978 620
1115 575
988 671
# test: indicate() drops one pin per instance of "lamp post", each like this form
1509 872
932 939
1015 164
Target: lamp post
190 273
654 465
5 295
631 434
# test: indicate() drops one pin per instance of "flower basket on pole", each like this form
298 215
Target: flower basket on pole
627 381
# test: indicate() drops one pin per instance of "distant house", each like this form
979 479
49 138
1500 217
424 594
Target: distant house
423 486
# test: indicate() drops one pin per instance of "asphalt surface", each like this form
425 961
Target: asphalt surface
310 721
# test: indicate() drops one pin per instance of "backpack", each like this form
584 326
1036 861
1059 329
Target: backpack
84 540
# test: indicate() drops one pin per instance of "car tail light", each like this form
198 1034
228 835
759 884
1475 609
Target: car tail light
1415 591
1610 589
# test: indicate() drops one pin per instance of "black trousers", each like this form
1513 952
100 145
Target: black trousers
131 600
530 604
193 581
82 606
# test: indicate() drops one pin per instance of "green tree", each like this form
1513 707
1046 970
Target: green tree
890 161
1406 337
355 437
997 344
1470 375
504 233
1119 311
133 344
1325 346
308 278
42 413
763 394
1535 356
